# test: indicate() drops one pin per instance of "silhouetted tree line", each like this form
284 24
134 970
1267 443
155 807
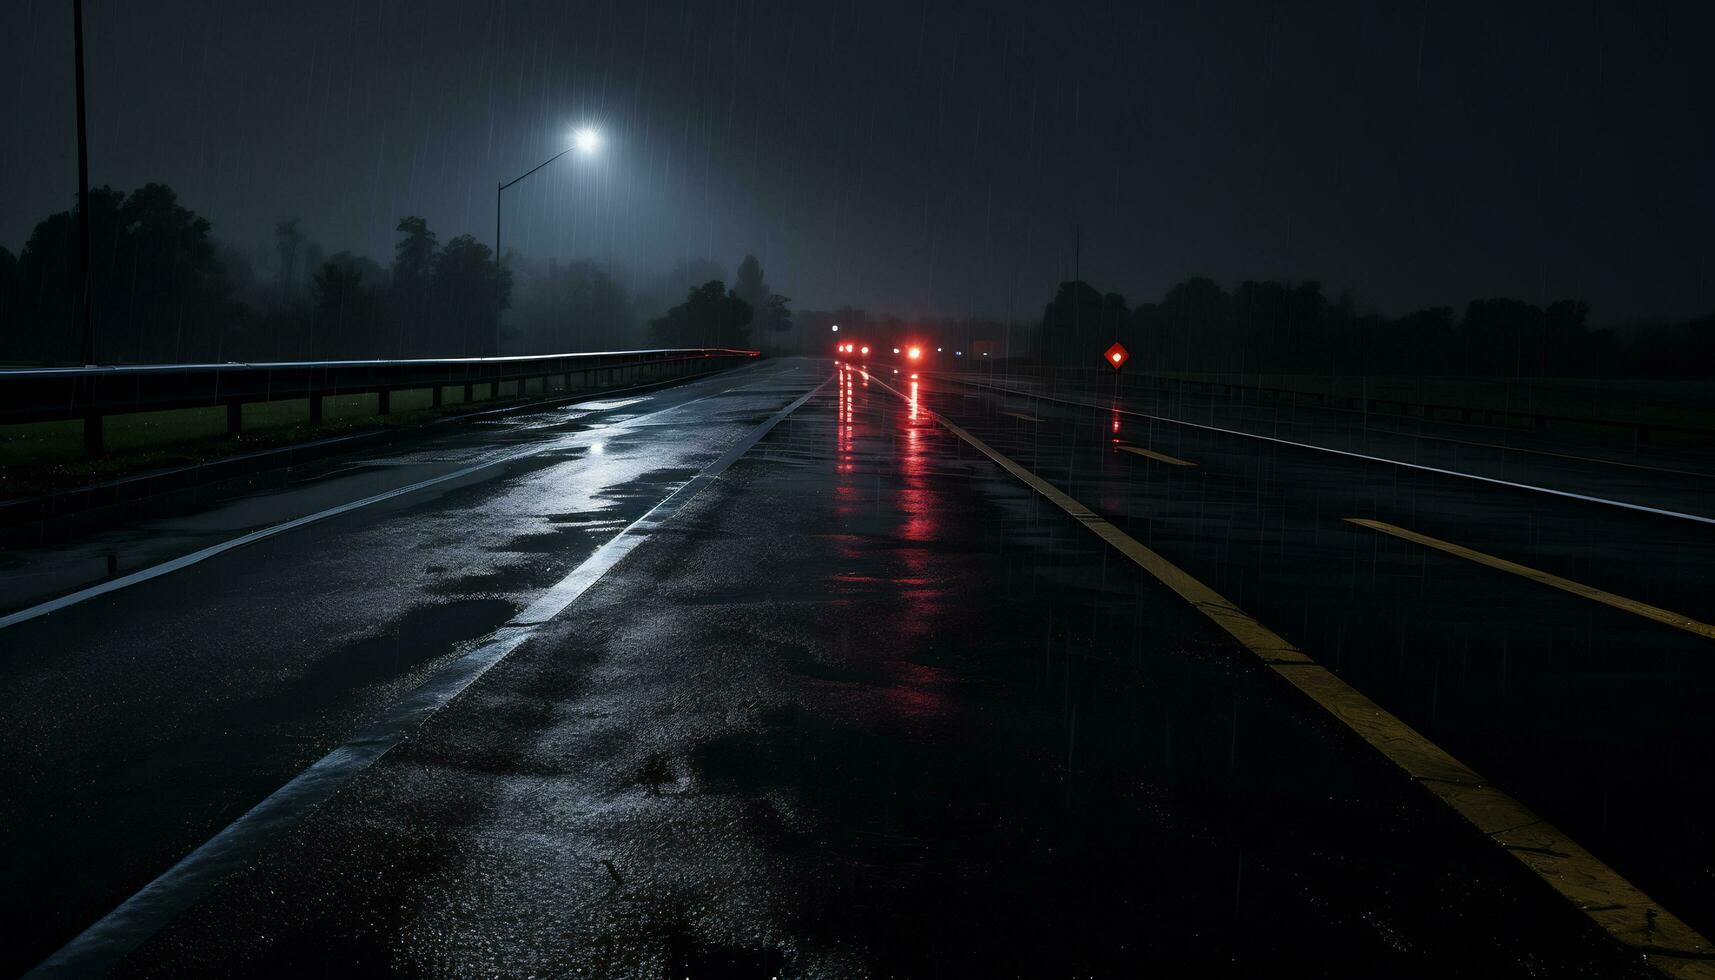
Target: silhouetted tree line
713 315
165 290
1293 328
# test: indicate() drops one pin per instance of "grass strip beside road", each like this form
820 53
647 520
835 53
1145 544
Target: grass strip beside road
43 457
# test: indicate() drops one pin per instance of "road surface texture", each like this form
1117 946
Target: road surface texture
777 673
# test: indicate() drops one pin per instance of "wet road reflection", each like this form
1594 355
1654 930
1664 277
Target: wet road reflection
870 711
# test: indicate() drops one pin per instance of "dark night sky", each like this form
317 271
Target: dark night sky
923 161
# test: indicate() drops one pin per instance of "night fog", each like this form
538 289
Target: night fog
760 488
920 162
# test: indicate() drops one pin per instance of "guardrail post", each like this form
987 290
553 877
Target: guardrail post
469 392
383 402
234 417
315 407
435 396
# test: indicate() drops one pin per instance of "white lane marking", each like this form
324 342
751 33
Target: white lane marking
185 561
1567 494
103 945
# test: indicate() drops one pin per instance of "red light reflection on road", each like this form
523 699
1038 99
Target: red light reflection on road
890 514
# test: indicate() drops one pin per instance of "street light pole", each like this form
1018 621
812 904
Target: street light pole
587 140
83 191
501 187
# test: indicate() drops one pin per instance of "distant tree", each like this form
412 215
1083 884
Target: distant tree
573 307
413 267
711 316
11 303
749 285
669 288
1114 315
239 267
350 309
287 240
1079 324
1566 341
775 314
467 294
158 292
414 253
1495 333
1421 340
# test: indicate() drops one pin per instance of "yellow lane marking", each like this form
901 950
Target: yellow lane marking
1676 620
1669 945
1152 454
1027 418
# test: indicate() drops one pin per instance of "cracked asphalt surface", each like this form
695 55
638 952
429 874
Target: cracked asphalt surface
864 706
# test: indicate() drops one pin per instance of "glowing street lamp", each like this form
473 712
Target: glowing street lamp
587 140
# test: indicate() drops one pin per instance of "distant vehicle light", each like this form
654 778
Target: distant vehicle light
864 351
914 377
958 353
937 350
896 350
914 353
836 328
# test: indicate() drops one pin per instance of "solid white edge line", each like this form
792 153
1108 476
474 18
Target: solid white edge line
185 561
110 939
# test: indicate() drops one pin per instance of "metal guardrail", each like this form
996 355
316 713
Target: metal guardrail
91 393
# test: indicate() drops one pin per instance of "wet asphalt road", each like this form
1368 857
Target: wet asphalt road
864 706
141 722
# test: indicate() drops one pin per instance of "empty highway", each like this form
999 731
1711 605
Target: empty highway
822 669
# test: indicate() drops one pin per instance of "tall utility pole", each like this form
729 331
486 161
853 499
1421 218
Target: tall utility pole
86 322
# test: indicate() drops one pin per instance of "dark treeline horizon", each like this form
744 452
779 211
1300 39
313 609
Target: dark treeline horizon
1267 326
167 289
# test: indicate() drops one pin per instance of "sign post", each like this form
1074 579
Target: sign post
1116 356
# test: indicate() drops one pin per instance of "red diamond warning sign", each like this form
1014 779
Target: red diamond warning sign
1116 356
